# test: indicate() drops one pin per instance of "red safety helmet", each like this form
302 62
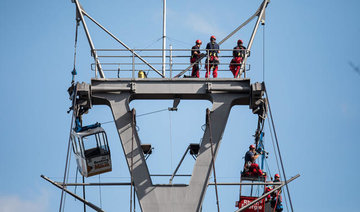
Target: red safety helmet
240 42
212 37
252 146
277 176
198 42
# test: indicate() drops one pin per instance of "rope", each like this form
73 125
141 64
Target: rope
268 168
264 53
83 180
273 143
72 121
76 177
75 46
144 114
132 158
277 199
277 144
68 150
150 44
277 161
100 192
134 200
182 43
170 134
67 178
213 161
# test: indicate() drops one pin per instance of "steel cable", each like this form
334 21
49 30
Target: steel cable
277 144
277 160
144 114
132 158
68 149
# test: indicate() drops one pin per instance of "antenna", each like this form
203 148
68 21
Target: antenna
164 38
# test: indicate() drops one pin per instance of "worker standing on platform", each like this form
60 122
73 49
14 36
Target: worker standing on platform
276 200
195 55
238 56
251 168
212 61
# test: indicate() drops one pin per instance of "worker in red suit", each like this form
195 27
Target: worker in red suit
212 61
238 56
276 201
195 55
250 166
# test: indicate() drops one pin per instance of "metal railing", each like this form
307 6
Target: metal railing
122 63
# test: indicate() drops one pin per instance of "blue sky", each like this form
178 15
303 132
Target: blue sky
314 95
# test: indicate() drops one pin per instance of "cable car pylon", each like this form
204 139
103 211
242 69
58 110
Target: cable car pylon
90 143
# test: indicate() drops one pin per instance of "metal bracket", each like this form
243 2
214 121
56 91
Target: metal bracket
257 92
133 86
175 104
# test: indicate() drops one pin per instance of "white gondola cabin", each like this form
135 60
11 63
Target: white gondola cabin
92 151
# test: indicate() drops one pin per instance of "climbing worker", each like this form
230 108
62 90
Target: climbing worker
276 200
195 55
238 56
268 197
212 61
251 168
276 178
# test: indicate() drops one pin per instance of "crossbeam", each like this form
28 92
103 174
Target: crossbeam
223 93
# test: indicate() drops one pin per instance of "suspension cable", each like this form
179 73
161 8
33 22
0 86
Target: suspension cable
264 52
67 179
68 149
277 144
144 114
84 197
273 143
212 158
132 158
76 178
150 44
170 135
73 73
182 43
277 160
100 195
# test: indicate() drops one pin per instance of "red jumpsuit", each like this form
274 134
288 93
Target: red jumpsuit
238 55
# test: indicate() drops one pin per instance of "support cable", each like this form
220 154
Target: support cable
150 44
68 149
84 197
144 114
277 144
76 178
132 159
134 199
273 143
73 72
170 134
213 160
184 44
277 160
264 52
67 179
100 195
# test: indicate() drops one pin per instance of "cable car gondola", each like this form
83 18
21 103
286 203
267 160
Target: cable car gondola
91 149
